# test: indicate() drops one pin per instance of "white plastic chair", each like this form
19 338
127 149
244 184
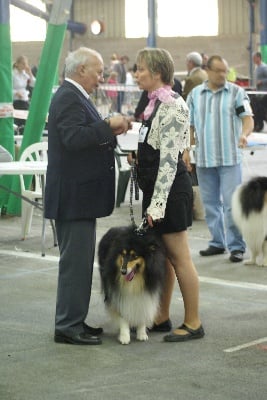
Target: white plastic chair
34 152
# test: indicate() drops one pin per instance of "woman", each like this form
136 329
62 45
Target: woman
22 80
166 185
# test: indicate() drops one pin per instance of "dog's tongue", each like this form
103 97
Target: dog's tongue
130 276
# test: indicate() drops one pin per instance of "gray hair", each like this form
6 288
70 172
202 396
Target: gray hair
195 57
81 56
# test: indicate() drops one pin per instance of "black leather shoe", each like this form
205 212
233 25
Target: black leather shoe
236 256
77 338
91 330
211 251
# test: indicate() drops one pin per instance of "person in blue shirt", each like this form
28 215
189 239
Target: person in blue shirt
220 121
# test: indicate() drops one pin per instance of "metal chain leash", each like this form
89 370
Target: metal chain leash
134 188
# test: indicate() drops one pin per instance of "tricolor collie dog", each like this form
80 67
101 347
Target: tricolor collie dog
249 210
132 268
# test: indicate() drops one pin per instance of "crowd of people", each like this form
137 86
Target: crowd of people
205 111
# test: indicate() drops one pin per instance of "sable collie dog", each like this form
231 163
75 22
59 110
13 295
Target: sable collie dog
132 268
249 210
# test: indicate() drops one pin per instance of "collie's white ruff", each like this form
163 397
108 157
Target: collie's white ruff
133 309
253 229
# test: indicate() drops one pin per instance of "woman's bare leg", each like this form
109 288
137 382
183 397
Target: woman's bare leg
165 301
179 255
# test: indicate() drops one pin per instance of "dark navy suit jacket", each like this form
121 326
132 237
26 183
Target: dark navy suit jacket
80 182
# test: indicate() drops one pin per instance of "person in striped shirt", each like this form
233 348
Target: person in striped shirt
220 121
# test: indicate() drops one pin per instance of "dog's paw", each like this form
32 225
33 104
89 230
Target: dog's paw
262 264
124 338
250 262
141 334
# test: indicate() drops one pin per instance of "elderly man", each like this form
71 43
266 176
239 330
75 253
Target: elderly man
196 74
80 187
220 120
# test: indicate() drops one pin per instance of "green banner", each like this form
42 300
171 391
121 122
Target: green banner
6 101
264 53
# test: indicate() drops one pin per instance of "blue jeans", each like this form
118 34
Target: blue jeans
216 188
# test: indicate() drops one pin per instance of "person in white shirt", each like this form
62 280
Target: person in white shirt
22 79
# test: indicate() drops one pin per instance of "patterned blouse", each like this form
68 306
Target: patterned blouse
170 134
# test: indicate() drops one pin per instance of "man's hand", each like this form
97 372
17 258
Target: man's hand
242 141
119 124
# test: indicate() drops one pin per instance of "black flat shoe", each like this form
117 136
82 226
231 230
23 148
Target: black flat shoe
211 251
78 338
192 334
165 326
92 331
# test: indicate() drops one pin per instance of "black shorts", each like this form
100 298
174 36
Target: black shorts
179 209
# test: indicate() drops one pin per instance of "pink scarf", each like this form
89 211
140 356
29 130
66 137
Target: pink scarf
164 94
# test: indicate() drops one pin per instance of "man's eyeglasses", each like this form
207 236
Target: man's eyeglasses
218 71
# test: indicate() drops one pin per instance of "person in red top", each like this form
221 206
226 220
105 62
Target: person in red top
112 94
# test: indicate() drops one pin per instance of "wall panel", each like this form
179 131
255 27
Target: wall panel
231 43
111 12
233 17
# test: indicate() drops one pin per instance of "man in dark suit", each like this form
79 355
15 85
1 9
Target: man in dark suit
80 187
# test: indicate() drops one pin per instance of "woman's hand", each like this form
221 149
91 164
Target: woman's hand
151 222
186 160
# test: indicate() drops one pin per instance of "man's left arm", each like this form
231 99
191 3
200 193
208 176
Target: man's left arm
247 128
244 111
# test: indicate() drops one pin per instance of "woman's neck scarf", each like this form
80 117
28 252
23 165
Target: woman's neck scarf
165 94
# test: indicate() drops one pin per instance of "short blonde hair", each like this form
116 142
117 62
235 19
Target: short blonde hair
158 61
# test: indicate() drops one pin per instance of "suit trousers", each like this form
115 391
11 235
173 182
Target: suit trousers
76 240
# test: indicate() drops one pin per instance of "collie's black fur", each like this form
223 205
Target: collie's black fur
252 195
249 210
132 268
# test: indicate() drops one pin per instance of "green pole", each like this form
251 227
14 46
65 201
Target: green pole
6 97
42 92
263 32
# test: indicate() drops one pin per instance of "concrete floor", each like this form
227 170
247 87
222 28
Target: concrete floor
230 363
